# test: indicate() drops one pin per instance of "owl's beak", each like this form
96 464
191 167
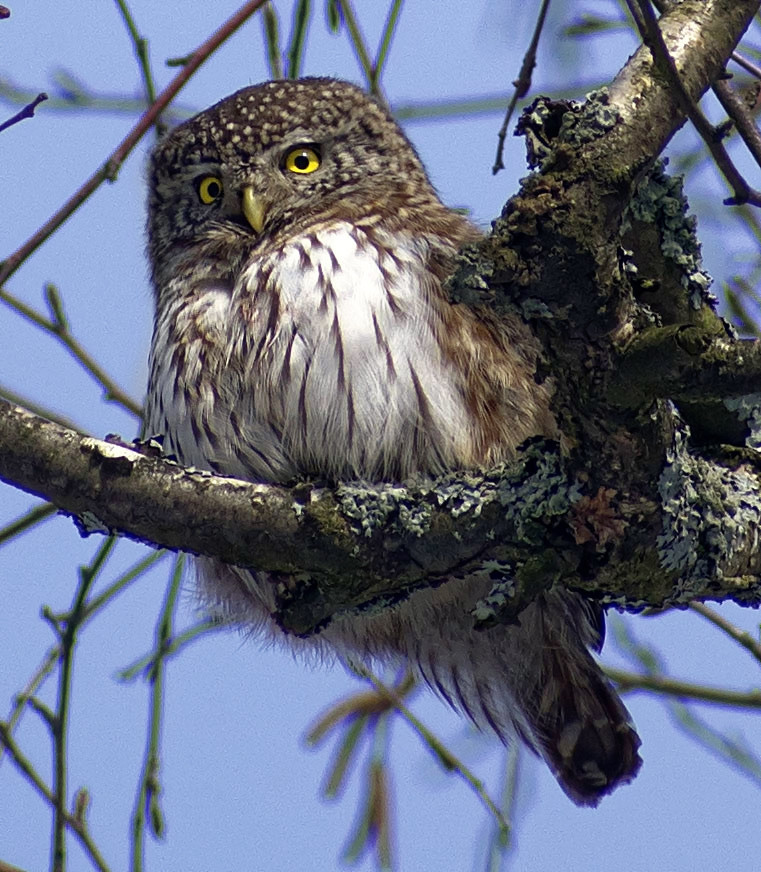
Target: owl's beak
254 208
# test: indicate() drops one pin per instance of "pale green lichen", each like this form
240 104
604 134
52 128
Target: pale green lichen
748 409
489 608
88 523
711 515
531 490
580 124
535 490
590 119
466 492
372 507
659 200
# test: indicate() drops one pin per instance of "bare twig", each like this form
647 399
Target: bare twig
522 84
74 96
357 39
140 44
643 14
502 841
6 867
385 43
31 405
58 327
746 65
684 690
26 112
110 168
302 15
740 636
149 786
742 119
271 30
69 628
35 515
443 753
74 823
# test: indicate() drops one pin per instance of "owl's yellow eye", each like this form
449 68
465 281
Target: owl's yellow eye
209 189
302 160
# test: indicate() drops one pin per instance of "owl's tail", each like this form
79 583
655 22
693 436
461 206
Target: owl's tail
539 679
579 724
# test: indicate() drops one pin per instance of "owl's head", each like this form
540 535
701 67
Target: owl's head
275 158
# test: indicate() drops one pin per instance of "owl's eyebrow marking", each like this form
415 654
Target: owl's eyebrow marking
189 173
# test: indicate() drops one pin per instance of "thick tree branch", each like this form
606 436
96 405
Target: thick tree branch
684 362
524 525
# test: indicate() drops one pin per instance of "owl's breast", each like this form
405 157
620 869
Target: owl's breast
325 359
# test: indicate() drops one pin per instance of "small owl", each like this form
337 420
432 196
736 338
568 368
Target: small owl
298 253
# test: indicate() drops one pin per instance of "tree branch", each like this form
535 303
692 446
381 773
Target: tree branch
356 544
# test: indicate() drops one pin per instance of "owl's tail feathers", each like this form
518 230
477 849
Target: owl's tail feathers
581 727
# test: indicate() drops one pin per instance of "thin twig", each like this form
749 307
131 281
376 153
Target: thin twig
26 696
736 752
59 329
443 753
746 64
68 639
384 45
6 867
110 168
140 44
728 750
502 842
742 119
683 689
301 17
38 513
740 636
653 38
26 112
271 29
31 406
522 84
149 787
359 45
172 647
75 824
80 97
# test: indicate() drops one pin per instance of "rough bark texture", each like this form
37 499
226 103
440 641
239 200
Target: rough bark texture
653 494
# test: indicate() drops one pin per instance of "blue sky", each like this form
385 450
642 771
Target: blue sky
241 791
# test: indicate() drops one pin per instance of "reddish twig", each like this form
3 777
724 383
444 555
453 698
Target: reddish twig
27 111
117 158
746 65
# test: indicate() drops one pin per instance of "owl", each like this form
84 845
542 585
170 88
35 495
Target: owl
298 253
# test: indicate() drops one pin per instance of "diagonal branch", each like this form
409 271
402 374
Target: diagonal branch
110 168
653 37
